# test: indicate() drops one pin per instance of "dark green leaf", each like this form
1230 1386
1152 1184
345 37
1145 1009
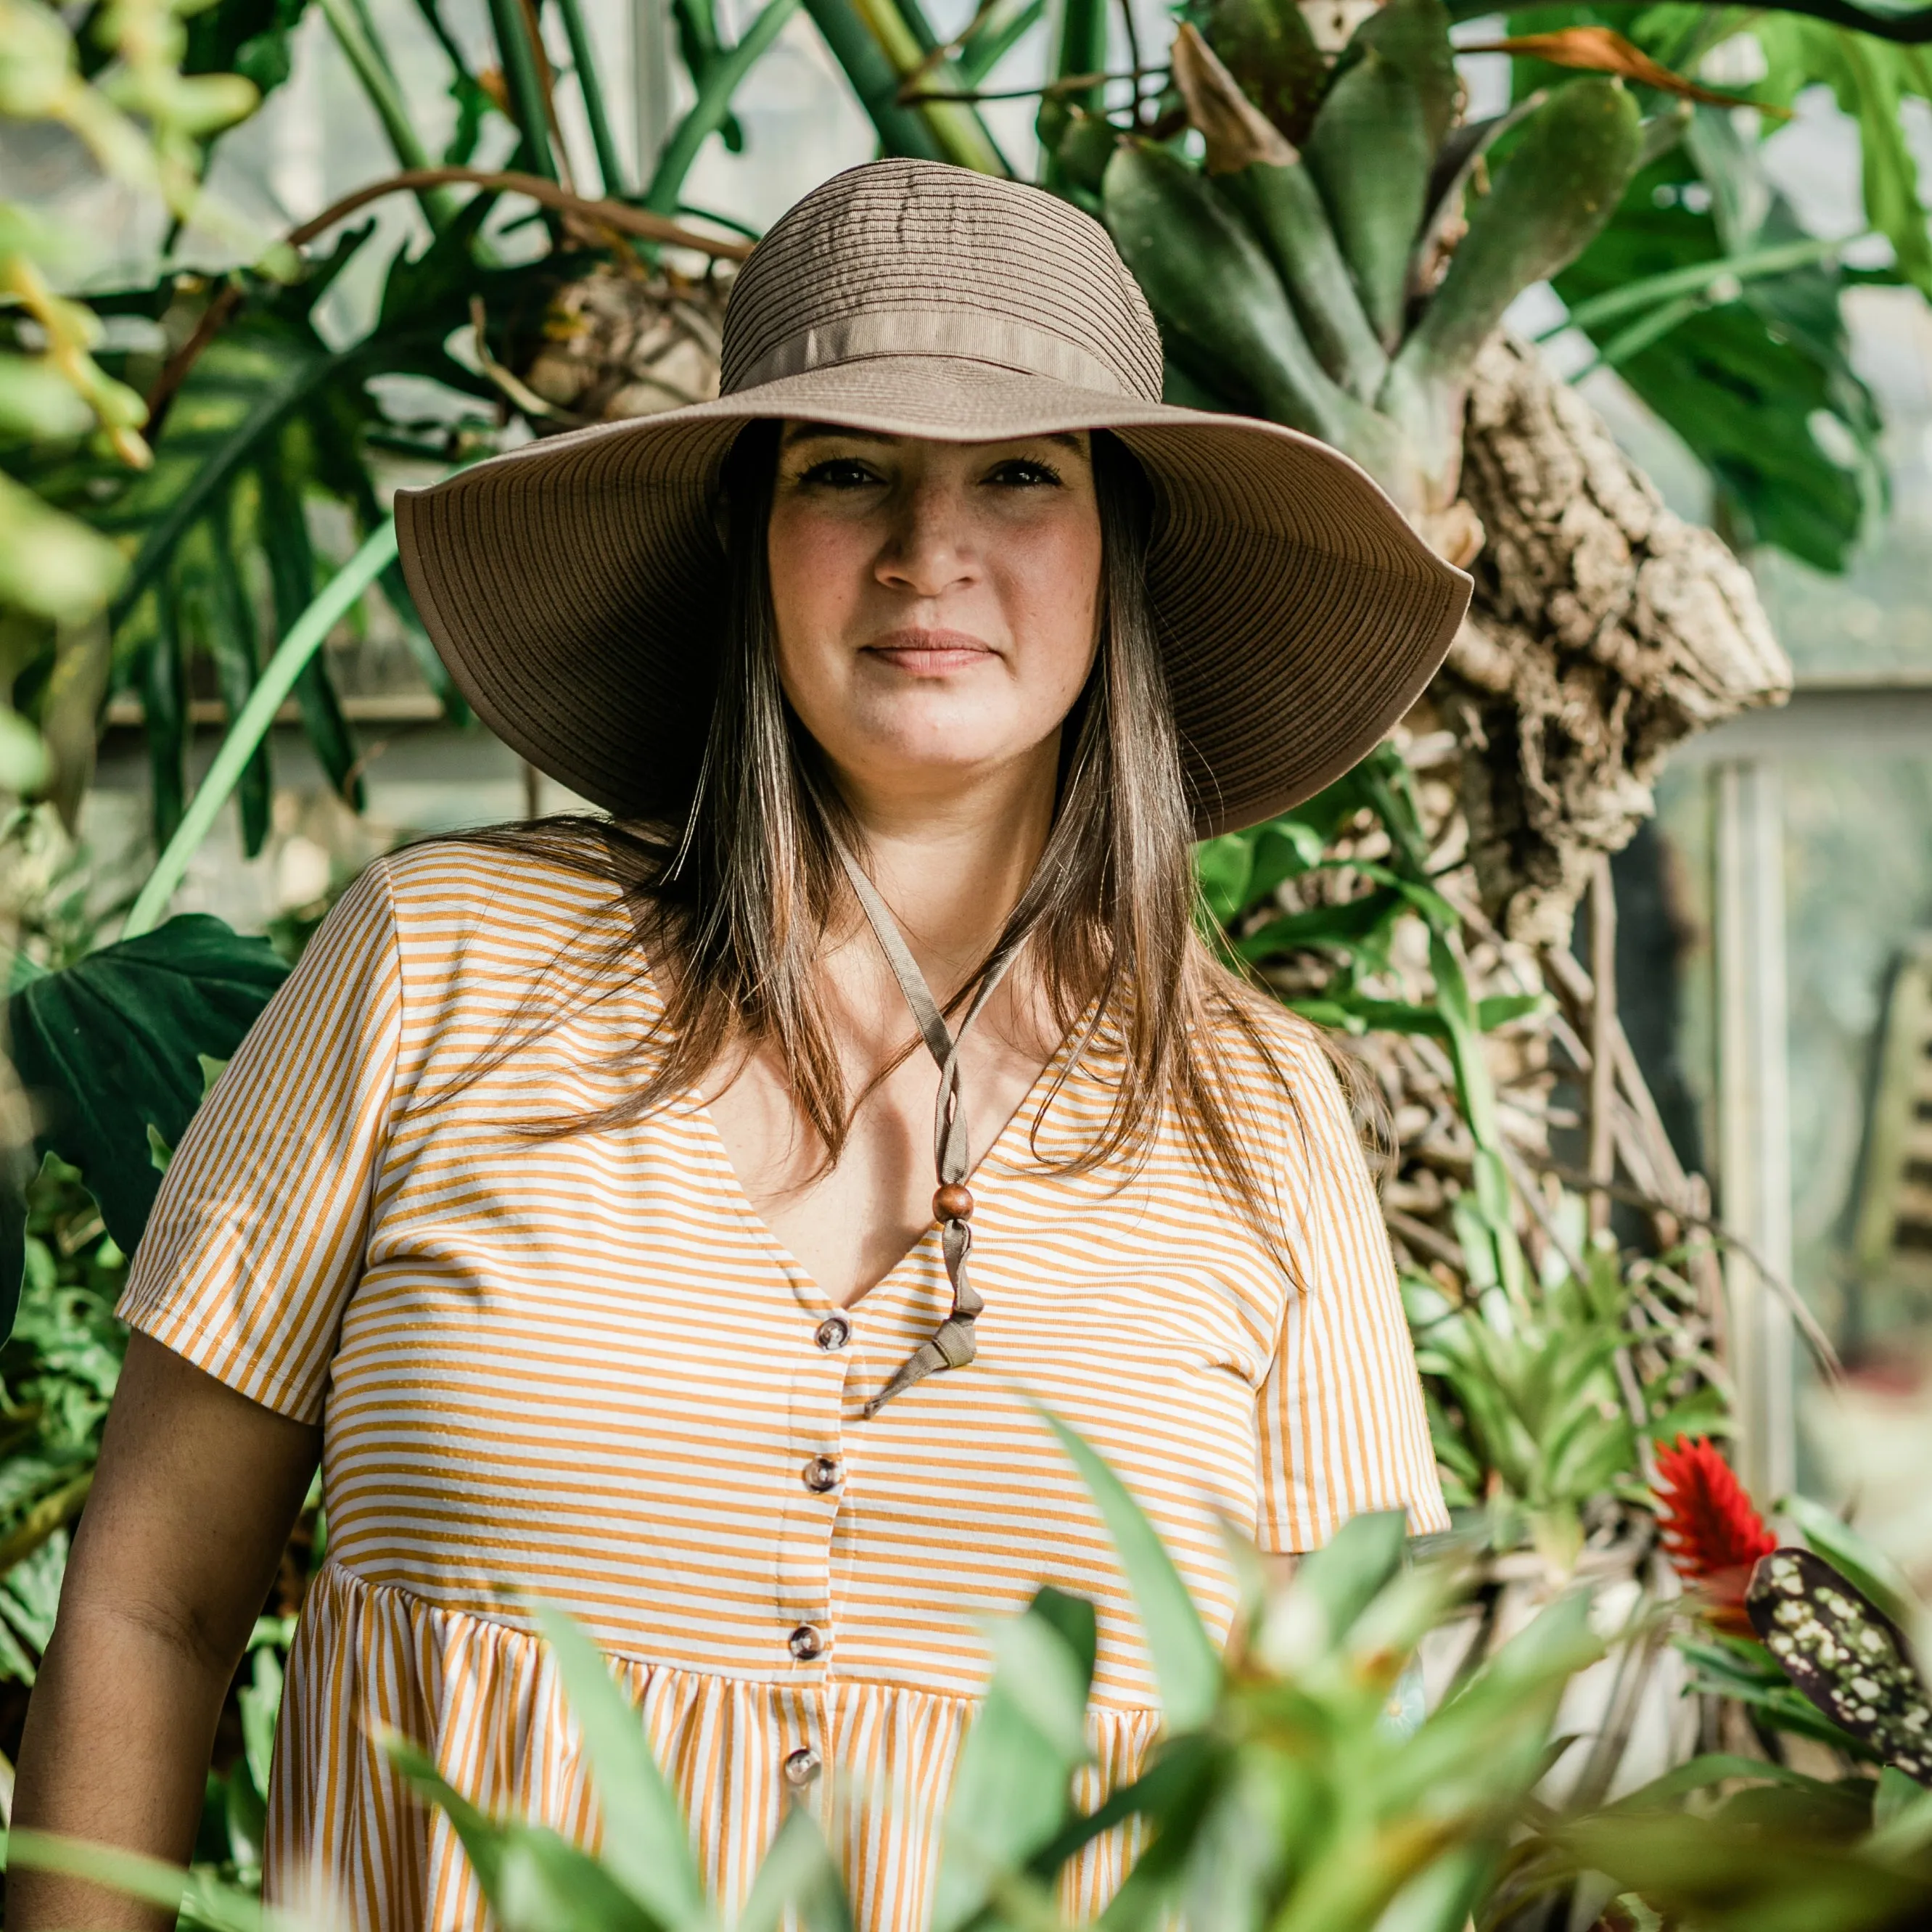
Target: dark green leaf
1846 1655
1348 925
1562 182
1267 46
647 1841
1743 381
110 1047
1186 1666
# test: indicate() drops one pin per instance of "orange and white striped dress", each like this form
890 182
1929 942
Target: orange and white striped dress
583 1369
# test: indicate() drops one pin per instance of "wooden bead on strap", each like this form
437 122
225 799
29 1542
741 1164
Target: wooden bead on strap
953 1202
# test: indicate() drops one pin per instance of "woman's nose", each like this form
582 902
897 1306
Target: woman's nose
929 547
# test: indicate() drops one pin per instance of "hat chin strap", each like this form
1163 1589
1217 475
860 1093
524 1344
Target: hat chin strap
951 1345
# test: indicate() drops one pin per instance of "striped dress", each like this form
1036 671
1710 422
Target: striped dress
584 1370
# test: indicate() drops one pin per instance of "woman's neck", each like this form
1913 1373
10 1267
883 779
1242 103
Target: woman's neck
952 862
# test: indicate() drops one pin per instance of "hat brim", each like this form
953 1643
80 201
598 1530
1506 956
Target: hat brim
574 586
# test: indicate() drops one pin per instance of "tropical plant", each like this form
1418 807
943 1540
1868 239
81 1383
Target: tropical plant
1286 1789
1324 243
1283 1791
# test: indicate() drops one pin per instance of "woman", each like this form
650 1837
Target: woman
574 1198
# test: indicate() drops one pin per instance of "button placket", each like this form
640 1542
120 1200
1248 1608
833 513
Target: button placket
804 1631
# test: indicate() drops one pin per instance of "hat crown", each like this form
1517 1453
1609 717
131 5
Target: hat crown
911 257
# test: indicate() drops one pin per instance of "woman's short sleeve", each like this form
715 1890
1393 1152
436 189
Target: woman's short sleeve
1343 1430
256 1239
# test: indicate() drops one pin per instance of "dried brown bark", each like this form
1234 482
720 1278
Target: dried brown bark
1605 629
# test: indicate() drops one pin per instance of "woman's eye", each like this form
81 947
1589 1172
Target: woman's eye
1023 473
839 472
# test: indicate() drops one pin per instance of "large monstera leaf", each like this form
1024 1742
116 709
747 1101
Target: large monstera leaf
1742 380
110 1052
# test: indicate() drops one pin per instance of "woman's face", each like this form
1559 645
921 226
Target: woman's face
936 602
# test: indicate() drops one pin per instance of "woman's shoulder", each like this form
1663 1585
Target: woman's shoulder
507 887
1270 1051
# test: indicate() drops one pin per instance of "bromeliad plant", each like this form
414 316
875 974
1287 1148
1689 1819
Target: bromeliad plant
1312 277
1817 1640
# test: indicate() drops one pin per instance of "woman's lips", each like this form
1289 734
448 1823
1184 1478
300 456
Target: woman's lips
930 653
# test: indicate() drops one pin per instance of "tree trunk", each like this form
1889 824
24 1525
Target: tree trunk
1604 630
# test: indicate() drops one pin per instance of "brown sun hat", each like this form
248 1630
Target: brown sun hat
574 586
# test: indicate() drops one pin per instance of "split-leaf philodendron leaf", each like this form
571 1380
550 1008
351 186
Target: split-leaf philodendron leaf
112 1046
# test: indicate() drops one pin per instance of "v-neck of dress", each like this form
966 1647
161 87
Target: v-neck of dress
802 1276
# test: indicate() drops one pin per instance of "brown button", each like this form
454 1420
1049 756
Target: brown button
834 1332
805 1643
822 1473
952 1203
802 1767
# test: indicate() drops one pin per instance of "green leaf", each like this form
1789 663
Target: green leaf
1562 182
1347 1573
1010 1793
1224 313
1738 1878
199 1895
798 1875
1349 926
1370 155
1857 1558
1223 866
1871 81
534 1879
1186 1666
1742 381
1267 46
109 1048
1699 1773
1502 1009
647 1841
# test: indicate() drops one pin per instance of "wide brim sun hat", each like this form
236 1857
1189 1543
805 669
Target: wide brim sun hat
575 586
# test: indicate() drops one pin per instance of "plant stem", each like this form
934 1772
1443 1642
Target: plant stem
1083 48
583 59
901 131
251 723
1777 259
1603 1150
1000 25
520 75
1643 332
961 134
721 81
1046 90
372 69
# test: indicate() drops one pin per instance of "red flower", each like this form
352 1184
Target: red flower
1710 1531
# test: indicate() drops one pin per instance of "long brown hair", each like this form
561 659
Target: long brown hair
732 904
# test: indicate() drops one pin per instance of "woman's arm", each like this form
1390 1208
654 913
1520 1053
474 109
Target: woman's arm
190 1509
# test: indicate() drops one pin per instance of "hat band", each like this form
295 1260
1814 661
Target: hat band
975 337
